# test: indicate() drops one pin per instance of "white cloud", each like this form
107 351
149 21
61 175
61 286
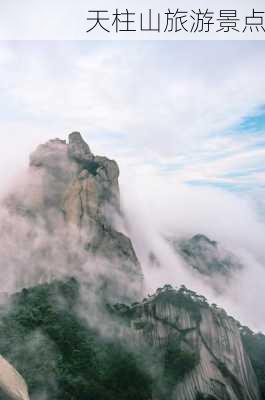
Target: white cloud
169 103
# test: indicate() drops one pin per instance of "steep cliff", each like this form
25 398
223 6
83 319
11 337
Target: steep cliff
203 352
254 343
66 206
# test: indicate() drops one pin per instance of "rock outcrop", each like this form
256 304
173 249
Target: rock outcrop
213 362
12 385
69 189
68 177
94 188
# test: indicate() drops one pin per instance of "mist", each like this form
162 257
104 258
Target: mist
157 207
153 207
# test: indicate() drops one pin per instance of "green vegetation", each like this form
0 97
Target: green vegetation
91 167
255 347
201 396
177 362
60 357
182 298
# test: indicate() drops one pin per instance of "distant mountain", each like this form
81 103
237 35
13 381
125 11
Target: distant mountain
206 256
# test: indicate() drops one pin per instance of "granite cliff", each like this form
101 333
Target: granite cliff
12 385
188 331
66 207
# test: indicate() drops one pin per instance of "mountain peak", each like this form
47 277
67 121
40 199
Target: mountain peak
78 149
68 188
203 239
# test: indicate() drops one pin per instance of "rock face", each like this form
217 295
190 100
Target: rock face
12 385
71 179
69 189
94 188
213 362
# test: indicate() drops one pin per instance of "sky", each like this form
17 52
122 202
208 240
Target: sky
185 120
191 111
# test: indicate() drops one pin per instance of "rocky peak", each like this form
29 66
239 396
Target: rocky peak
74 180
78 149
69 188
202 240
206 256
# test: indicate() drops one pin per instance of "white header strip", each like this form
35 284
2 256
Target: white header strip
132 20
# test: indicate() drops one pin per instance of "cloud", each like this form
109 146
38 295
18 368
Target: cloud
155 209
149 103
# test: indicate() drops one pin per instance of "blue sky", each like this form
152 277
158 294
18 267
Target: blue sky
254 123
192 112
250 130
